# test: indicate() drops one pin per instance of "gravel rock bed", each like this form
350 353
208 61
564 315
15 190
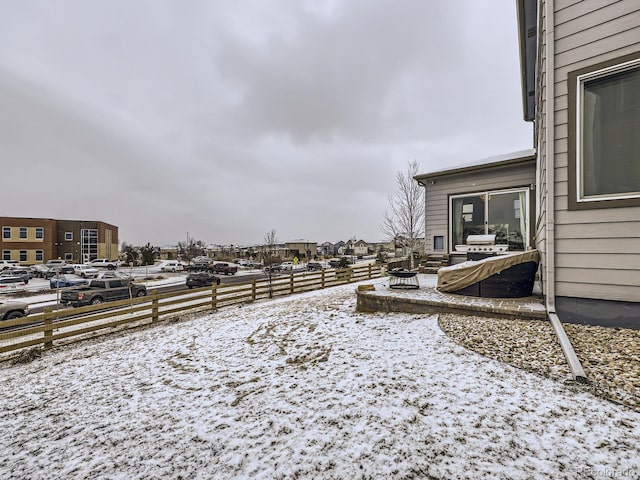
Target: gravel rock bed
609 356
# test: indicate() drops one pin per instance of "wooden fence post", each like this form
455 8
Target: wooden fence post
370 271
48 327
322 280
253 290
291 282
155 314
214 296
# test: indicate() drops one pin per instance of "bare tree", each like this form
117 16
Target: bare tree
268 253
191 248
405 221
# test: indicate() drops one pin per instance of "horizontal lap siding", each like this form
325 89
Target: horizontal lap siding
597 251
437 194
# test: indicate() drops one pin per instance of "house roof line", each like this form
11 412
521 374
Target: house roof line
521 156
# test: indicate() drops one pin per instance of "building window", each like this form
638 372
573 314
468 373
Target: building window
68 236
438 242
23 255
39 255
6 254
6 232
604 145
89 244
39 233
23 232
503 213
68 257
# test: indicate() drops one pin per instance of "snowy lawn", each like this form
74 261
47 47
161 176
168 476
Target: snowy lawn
301 387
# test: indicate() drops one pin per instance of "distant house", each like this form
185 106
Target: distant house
302 249
580 66
360 247
326 249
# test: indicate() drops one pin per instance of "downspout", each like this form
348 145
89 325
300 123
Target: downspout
574 364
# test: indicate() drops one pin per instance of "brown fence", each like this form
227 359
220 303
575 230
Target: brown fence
72 324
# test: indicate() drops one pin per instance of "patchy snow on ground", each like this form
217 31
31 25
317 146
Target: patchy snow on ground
301 387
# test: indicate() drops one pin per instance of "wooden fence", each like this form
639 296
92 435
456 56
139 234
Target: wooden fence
72 324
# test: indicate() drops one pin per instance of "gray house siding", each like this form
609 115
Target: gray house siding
597 251
587 33
440 186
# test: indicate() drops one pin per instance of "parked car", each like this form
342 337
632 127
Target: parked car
99 291
58 270
202 260
13 309
286 266
39 270
85 271
67 280
275 267
23 273
55 262
202 279
253 264
4 264
314 266
337 262
114 274
171 266
11 282
223 267
104 263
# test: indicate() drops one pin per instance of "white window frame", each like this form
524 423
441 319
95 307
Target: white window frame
26 233
68 236
39 233
580 81
39 255
24 256
4 230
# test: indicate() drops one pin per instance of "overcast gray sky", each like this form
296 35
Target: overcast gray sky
228 119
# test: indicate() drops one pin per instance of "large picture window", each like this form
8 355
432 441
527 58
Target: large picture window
503 213
604 140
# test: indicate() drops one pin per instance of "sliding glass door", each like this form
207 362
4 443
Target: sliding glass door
503 213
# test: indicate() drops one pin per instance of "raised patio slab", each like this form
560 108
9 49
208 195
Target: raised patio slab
428 300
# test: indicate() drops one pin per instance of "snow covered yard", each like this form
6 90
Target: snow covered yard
301 387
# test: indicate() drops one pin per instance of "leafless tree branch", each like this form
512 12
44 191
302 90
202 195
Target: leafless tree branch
405 219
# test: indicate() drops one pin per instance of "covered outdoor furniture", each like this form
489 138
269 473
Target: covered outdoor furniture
402 278
503 276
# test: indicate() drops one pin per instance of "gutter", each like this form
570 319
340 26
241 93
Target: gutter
577 371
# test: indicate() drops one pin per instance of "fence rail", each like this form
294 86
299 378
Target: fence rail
72 324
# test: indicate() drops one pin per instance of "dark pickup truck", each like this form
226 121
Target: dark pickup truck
224 268
100 291
199 267
220 267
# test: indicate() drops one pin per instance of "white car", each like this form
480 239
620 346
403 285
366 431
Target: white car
171 266
114 274
4 264
104 263
286 266
85 271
